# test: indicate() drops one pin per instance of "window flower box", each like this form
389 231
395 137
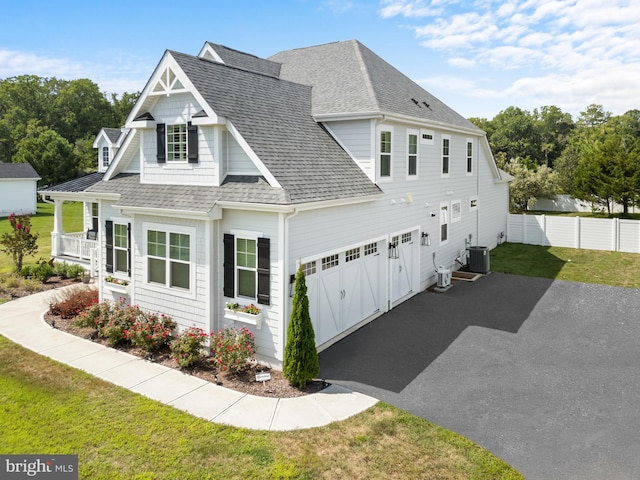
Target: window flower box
117 285
245 314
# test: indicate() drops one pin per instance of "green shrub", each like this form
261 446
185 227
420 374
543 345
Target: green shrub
232 348
301 363
31 285
41 271
186 347
150 331
67 270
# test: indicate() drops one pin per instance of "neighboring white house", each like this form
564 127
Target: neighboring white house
232 170
18 189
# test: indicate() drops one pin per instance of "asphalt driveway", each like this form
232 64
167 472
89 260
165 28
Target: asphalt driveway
545 374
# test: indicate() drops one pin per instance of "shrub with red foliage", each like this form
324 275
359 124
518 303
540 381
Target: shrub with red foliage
73 302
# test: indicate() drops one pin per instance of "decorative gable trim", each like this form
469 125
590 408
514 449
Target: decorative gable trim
167 83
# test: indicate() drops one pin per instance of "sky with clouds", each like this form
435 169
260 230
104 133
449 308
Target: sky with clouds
478 56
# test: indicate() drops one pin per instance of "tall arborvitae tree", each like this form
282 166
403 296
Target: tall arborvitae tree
301 362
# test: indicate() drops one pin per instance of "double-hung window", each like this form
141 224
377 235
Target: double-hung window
169 259
444 223
469 157
412 154
118 247
385 153
105 156
247 267
177 143
446 143
121 248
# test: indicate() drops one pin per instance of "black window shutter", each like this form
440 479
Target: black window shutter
160 142
229 265
108 231
192 143
264 271
128 249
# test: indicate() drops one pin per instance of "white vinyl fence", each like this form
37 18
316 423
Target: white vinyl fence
614 234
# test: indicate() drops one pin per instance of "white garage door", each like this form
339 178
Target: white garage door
403 267
344 288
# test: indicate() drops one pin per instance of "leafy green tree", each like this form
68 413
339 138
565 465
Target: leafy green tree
301 363
530 182
515 134
122 106
19 241
554 130
53 157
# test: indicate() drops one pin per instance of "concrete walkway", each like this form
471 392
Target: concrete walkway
22 321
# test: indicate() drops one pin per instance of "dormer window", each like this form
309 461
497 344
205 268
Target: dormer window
105 156
177 143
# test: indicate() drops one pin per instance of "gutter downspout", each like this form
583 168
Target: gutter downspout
284 255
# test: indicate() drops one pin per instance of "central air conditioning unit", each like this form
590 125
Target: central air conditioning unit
444 277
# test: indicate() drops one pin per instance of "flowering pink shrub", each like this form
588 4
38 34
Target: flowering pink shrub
232 348
19 241
149 331
186 347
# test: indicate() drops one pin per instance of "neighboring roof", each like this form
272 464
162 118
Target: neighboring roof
23 171
235 58
195 198
274 117
76 185
347 77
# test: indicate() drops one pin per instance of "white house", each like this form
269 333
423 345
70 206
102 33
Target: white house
18 189
232 170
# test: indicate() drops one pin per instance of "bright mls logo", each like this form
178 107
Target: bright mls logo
50 467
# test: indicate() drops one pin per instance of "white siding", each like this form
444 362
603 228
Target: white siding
355 138
269 337
236 161
17 196
179 108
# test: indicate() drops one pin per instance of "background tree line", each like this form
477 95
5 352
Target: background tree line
595 158
52 123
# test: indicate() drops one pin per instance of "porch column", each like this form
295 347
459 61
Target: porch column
58 231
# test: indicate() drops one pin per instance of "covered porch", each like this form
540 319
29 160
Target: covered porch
81 245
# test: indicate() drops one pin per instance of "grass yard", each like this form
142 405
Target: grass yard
42 223
590 266
51 408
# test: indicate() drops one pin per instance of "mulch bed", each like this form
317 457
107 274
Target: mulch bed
244 381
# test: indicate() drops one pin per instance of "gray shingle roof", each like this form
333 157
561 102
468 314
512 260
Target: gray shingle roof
274 117
194 198
235 58
347 77
22 171
113 134
76 185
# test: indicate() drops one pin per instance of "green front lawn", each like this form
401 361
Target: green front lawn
42 223
51 408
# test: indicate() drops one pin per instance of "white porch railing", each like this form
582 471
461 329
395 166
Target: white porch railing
77 246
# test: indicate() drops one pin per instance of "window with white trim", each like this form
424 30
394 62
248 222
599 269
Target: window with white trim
308 268
370 249
121 248
406 237
412 154
469 157
385 153
105 156
426 137
444 223
169 259
177 143
473 203
330 262
246 267
351 255
446 143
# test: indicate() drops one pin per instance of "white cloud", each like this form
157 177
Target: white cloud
119 75
410 8
568 53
